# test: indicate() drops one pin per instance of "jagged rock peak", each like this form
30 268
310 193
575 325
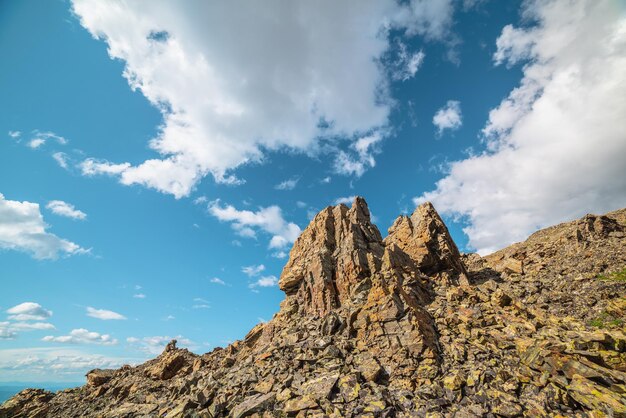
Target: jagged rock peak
425 238
338 249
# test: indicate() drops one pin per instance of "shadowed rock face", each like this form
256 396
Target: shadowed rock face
425 239
401 327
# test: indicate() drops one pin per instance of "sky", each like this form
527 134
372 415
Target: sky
158 159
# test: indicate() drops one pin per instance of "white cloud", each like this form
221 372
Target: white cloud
36 143
104 314
19 316
29 311
289 184
225 98
265 281
10 330
15 134
326 180
405 66
448 117
269 219
5 332
92 167
217 280
82 336
61 208
30 326
156 344
40 363
201 304
361 156
22 228
139 296
253 270
62 159
40 138
279 254
346 200
556 144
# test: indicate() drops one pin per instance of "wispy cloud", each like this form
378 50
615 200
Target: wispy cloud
40 138
360 157
217 280
104 314
62 159
253 270
289 184
61 208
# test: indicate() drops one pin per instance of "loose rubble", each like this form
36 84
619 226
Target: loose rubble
401 327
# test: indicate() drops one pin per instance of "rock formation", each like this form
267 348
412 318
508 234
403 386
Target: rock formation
401 327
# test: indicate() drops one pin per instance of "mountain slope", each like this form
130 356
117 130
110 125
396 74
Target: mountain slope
402 326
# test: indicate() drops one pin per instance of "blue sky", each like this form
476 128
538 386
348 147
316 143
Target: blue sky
158 160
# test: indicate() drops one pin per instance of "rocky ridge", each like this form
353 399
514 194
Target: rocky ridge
399 327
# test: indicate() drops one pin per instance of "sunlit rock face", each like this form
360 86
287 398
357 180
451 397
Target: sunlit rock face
404 326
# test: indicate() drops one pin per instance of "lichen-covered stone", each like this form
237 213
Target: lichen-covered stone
400 327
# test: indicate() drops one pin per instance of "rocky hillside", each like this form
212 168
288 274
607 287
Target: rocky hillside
403 326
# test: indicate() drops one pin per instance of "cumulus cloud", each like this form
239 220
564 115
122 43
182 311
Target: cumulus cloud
556 144
269 220
22 228
448 117
225 98
289 184
253 270
104 314
15 134
139 296
265 281
63 363
29 311
82 336
360 157
61 208
19 320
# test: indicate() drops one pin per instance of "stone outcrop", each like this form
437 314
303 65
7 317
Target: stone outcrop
404 326
340 248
